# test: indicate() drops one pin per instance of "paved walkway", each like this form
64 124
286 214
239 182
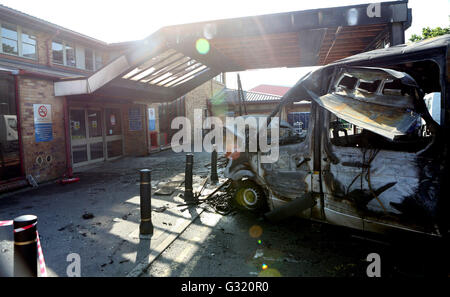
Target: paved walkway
108 243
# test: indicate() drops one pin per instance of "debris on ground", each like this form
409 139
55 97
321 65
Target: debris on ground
125 217
160 209
167 188
221 201
88 216
65 227
222 162
109 263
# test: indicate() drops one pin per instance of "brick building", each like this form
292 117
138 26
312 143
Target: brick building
44 136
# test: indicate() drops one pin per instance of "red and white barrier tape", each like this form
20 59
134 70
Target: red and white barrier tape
42 267
6 223
24 228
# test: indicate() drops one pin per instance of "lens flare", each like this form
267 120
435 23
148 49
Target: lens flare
255 231
259 241
202 46
269 272
264 266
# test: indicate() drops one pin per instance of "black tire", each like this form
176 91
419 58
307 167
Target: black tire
249 196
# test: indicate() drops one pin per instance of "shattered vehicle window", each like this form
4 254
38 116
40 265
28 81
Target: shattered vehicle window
375 111
289 135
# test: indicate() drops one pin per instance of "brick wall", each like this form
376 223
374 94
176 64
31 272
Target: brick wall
37 91
197 98
44 43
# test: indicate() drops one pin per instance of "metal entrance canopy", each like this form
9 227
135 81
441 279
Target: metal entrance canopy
169 63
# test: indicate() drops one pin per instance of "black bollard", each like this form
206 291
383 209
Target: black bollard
188 195
214 176
25 246
146 225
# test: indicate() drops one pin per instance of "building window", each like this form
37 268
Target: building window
70 55
63 53
98 61
93 60
89 59
28 45
10 40
219 78
58 52
17 41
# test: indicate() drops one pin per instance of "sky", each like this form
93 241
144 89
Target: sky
118 21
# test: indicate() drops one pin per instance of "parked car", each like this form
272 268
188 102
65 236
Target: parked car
387 168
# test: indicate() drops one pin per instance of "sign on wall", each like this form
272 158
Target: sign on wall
151 119
134 119
43 126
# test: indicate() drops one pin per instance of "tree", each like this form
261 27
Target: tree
428 33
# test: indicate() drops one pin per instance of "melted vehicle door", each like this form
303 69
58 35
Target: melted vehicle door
289 177
374 171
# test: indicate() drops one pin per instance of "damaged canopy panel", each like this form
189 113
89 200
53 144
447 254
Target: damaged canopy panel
376 99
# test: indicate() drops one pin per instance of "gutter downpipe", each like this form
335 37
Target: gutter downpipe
147 131
19 128
69 170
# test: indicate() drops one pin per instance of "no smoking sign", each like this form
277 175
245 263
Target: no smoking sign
43 127
42 111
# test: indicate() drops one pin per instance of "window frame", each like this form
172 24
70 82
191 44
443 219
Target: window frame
97 54
64 50
219 78
94 56
19 30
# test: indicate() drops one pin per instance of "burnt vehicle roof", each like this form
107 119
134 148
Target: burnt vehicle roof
430 49
437 44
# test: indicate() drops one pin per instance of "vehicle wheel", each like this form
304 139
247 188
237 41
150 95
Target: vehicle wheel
249 196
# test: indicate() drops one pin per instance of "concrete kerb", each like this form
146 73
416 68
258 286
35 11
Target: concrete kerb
28 188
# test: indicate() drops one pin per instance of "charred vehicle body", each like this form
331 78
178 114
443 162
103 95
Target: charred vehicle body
374 157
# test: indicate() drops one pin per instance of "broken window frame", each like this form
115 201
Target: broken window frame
418 106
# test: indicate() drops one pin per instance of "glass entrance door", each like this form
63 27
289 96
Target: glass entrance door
114 136
87 136
95 135
78 136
